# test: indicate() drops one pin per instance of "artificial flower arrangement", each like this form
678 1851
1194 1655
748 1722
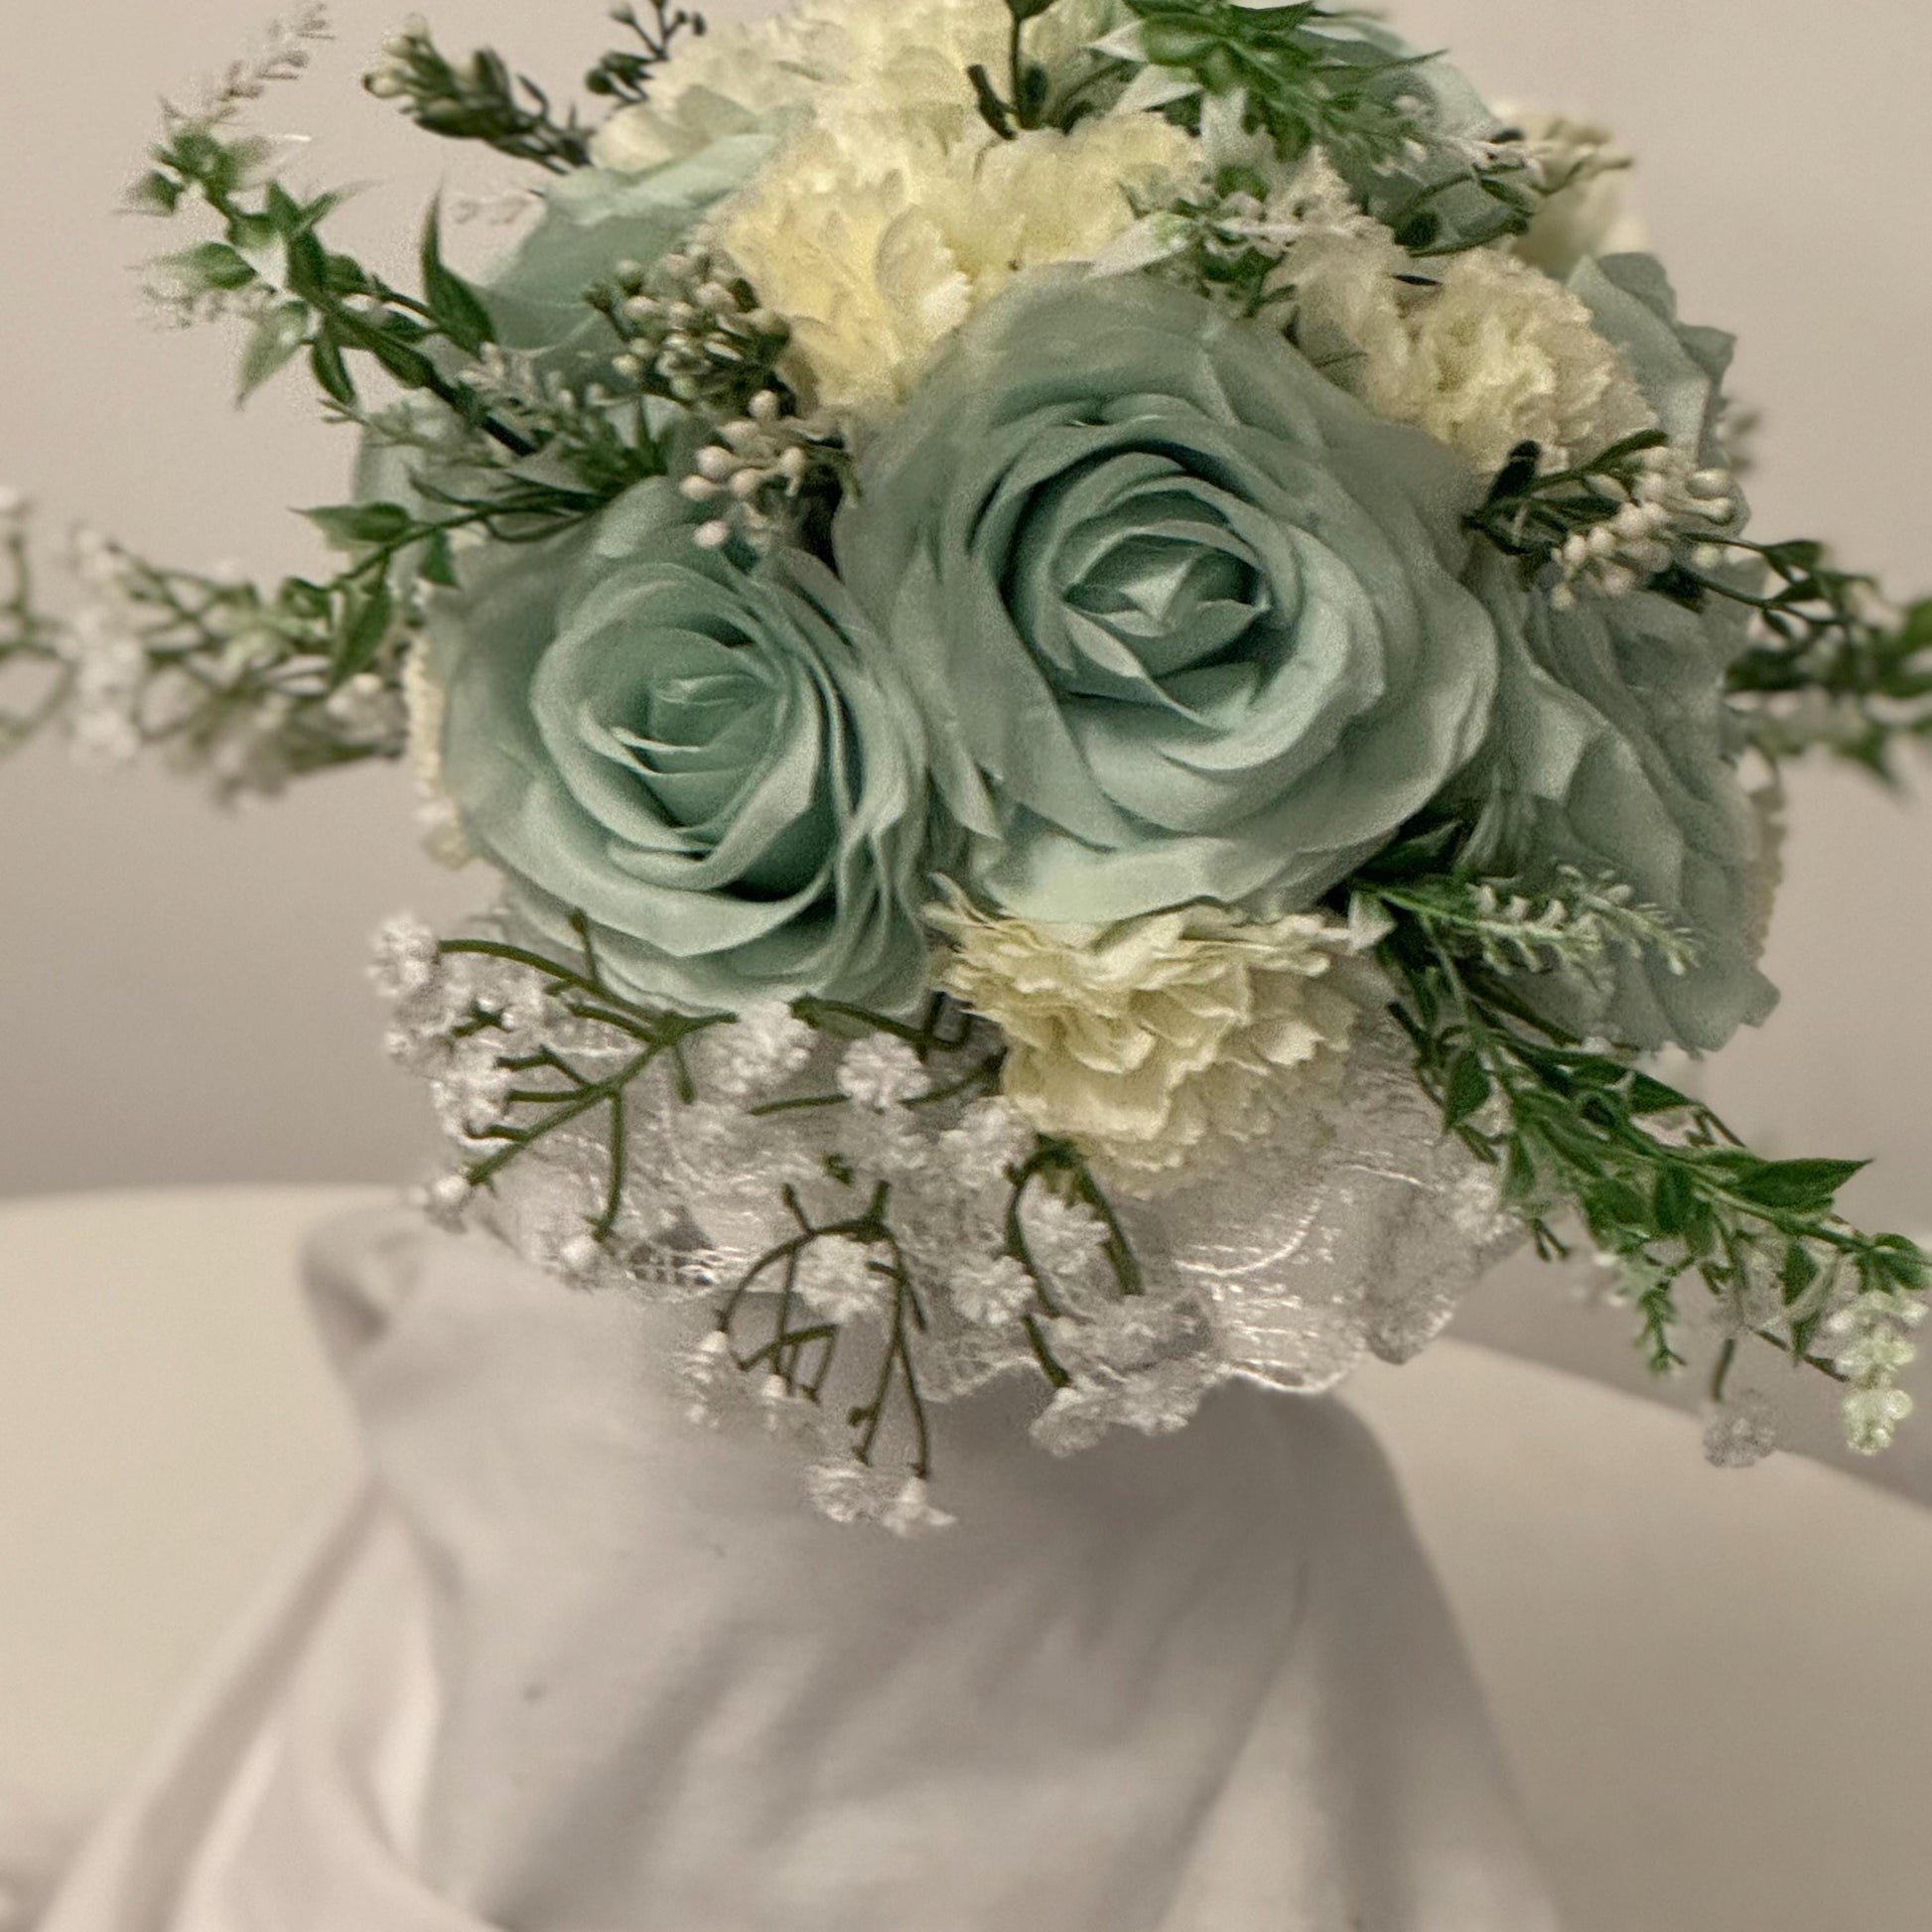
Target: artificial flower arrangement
1107 654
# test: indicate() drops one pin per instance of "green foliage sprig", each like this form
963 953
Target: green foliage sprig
477 99
216 676
481 98
626 73
304 296
1305 87
1832 667
1309 80
1577 1130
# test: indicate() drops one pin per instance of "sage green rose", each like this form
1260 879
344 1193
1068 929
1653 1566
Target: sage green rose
1615 753
1680 367
718 767
1614 750
1183 619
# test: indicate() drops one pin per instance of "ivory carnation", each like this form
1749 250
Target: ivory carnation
876 239
842 59
1149 1040
1495 353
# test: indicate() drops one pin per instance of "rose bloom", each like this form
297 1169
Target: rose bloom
718 766
1183 618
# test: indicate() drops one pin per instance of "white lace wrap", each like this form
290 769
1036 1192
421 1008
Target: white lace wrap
875 1243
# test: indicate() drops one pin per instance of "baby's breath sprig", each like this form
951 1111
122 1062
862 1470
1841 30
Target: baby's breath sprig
249 687
539 1093
1662 1187
536 1055
476 99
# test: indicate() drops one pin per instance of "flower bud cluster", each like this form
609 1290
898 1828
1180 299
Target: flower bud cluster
1661 502
1873 1347
695 330
759 473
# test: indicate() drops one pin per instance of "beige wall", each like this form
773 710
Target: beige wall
180 995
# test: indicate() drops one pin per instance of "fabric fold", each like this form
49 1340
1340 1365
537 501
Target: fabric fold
572 1664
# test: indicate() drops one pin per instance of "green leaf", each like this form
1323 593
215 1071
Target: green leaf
410 366
212 266
1466 1091
1034 85
364 635
1800 1269
459 311
1675 1201
154 194
1648 1096
331 372
993 110
1026 10
439 561
279 337
350 526
1809 1186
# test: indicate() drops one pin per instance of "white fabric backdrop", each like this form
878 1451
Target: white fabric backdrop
180 996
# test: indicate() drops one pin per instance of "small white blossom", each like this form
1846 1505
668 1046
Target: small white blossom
407 959
1740 1432
880 1072
1075 1420
991 1288
912 1511
1873 1418
763 1049
1064 1236
709 1374
582 1258
472 1088
848 1492
837 1279
990 1136
446 1200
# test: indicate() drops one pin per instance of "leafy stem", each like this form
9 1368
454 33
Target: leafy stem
1661 1184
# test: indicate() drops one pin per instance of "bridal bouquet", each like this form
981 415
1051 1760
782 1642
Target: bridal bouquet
1107 654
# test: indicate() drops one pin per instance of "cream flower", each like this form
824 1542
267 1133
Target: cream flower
876 239
842 59
1148 1041
1490 355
